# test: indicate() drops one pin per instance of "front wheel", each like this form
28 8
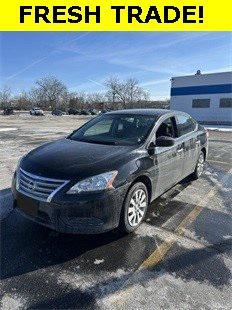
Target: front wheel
135 207
199 166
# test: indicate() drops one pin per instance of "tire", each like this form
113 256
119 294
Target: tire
199 169
134 208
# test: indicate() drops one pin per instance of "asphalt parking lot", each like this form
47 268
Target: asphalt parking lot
179 258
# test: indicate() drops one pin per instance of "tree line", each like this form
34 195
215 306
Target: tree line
50 93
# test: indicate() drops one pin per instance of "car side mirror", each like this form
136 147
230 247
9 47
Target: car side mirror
165 141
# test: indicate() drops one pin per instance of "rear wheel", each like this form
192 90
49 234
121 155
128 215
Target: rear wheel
199 166
135 207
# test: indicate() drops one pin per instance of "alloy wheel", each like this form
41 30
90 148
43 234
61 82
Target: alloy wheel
137 207
200 164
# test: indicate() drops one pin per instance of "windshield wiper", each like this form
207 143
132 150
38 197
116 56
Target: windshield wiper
97 142
102 142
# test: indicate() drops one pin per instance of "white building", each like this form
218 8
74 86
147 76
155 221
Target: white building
206 97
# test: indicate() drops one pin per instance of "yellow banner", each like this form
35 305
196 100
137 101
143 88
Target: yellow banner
115 15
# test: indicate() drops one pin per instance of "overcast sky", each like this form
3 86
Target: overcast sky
84 60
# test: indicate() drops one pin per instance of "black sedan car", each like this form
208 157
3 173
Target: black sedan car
8 111
58 112
72 111
106 173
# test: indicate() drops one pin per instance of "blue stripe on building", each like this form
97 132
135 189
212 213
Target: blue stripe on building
201 90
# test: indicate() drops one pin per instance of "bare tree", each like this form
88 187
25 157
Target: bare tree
96 101
49 92
158 104
136 95
112 84
125 94
77 100
5 97
22 101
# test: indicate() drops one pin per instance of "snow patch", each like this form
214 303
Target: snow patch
98 261
218 127
170 291
227 237
86 282
168 236
8 129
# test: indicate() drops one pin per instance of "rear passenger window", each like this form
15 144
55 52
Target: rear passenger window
185 124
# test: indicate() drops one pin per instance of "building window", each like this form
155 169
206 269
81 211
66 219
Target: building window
201 103
225 103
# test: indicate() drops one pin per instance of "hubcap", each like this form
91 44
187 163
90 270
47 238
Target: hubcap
137 207
200 164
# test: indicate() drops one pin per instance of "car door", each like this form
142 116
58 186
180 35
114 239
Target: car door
187 137
168 160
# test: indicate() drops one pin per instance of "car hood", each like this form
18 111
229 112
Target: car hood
68 159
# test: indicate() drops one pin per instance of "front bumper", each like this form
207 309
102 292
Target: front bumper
84 214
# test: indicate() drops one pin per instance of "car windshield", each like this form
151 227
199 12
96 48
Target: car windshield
116 129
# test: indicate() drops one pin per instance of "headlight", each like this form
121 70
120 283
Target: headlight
95 183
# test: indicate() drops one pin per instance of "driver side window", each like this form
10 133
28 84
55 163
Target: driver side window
166 129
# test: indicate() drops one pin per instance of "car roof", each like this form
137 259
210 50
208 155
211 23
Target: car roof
152 112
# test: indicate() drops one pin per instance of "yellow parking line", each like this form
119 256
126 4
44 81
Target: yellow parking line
162 250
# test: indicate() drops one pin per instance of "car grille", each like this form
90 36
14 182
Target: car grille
38 187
